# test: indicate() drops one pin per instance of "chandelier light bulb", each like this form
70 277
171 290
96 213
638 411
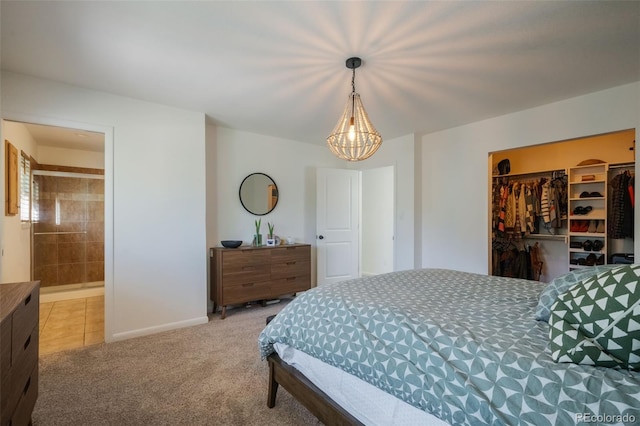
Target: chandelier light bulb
352 131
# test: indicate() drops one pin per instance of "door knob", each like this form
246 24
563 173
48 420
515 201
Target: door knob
321 237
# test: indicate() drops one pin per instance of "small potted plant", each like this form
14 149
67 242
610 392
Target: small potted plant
271 241
257 238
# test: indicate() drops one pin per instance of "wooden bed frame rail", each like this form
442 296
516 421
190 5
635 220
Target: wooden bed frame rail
308 394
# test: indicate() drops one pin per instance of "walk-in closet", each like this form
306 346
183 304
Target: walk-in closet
561 206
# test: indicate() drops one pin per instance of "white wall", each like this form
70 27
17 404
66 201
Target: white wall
155 244
70 157
292 165
398 152
455 169
15 259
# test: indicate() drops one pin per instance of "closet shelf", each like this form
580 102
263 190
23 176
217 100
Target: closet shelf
542 173
583 182
585 199
559 237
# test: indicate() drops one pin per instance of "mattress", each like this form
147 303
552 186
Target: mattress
365 402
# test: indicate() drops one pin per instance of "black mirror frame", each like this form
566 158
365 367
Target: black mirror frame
277 193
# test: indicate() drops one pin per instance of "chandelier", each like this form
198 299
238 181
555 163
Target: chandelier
354 138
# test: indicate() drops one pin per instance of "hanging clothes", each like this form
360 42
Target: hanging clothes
504 194
544 204
621 206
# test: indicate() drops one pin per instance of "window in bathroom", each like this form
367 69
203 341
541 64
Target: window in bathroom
25 187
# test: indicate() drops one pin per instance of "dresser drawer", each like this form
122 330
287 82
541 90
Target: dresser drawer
289 269
20 372
289 254
290 285
241 258
247 292
232 277
5 349
22 414
25 318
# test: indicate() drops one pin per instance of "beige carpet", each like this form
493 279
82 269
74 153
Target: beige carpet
209 374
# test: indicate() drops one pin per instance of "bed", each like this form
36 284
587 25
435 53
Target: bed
436 346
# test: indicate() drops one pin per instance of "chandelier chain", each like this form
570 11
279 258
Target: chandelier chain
353 81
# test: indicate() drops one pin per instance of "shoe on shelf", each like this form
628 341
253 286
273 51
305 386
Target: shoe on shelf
587 245
600 260
579 225
597 245
582 210
592 226
600 227
591 260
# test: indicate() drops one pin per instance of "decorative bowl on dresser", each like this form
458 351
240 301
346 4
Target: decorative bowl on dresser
247 274
19 311
231 243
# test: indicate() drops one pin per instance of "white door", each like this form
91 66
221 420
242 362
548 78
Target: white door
337 228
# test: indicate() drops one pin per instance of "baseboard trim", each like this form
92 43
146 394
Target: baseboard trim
156 329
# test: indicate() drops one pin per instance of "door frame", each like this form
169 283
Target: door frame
394 219
393 201
108 200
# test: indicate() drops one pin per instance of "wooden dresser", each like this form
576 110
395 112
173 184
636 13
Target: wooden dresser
19 311
246 274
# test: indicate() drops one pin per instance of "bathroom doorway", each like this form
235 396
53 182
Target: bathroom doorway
62 228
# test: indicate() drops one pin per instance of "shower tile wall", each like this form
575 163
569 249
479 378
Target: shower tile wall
68 231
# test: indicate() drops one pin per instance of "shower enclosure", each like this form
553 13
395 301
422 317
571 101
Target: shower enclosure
67 229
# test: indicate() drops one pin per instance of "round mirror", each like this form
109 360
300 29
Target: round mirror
258 194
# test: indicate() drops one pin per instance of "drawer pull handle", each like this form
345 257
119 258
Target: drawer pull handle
291 263
26 387
247 284
27 300
27 342
291 278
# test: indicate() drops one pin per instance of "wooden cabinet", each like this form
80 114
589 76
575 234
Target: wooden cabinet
19 311
587 215
248 274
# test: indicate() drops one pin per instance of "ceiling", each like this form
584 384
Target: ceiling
61 137
277 68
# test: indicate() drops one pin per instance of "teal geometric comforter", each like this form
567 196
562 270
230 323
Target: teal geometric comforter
464 347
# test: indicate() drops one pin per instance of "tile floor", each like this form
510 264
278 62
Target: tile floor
73 323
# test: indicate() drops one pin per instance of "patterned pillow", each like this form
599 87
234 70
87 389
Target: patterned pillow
562 284
597 321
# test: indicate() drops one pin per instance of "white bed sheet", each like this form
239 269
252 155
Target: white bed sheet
362 400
